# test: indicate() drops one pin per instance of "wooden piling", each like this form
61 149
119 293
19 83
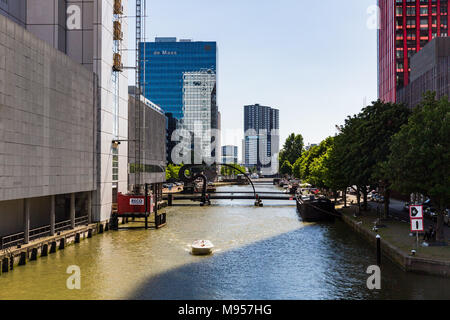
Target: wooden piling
62 243
5 265
44 250
53 247
77 238
23 258
34 253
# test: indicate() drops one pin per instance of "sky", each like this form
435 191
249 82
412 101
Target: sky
315 61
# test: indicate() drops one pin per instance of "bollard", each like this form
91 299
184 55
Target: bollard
100 228
62 243
23 258
44 250
77 238
89 233
169 200
107 226
5 265
34 253
11 263
378 250
53 247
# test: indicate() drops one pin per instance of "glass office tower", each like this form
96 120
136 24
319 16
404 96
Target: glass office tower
199 109
165 62
406 26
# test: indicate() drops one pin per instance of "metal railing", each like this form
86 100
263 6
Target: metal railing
39 233
63 225
12 240
45 231
81 221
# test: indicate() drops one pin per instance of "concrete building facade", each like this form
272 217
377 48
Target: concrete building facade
153 143
82 31
261 138
48 118
430 71
230 154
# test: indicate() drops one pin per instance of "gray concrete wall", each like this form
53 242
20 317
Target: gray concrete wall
47 20
47 118
14 10
153 135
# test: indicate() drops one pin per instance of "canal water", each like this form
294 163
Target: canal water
261 253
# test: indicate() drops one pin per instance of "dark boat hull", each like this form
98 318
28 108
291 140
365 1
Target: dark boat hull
316 210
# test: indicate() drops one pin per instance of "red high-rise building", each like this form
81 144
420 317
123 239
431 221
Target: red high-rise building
406 26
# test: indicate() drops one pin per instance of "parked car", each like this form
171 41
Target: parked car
406 207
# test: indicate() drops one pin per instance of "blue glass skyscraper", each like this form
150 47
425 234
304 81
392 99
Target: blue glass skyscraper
165 62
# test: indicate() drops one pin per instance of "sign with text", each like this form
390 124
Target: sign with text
137 201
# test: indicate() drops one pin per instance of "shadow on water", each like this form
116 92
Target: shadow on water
314 262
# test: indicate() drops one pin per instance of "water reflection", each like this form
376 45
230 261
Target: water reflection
262 253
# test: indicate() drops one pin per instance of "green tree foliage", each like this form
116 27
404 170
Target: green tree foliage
228 171
303 165
286 168
172 171
420 154
292 149
362 148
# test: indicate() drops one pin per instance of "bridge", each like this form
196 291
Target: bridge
188 175
230 195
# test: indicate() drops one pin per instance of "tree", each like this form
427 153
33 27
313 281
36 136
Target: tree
292 149
363 147
229 171
286 168
420 155
172 171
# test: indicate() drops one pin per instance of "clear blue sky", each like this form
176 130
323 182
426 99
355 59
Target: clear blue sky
316 61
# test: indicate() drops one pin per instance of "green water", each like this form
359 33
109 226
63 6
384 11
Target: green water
261 253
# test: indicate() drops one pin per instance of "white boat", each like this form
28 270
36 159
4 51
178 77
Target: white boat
202 247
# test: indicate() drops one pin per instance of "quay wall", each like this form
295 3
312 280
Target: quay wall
402 259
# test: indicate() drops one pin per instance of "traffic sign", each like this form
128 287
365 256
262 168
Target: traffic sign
417 225
416 212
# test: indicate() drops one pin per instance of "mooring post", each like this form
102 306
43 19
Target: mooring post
146 205
5 265
89 233
77 238
44 250
62 243
23 258
53 247
34 253
100 228
378 250
169 199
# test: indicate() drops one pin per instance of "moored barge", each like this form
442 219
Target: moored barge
313 209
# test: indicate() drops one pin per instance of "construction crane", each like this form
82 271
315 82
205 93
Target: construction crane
140 83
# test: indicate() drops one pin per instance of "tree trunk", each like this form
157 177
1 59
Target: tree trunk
387 201
345 198
365 198
440 236
358 198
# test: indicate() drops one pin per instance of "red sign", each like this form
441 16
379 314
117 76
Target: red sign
133 204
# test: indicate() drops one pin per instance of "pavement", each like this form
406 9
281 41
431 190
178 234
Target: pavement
396 211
